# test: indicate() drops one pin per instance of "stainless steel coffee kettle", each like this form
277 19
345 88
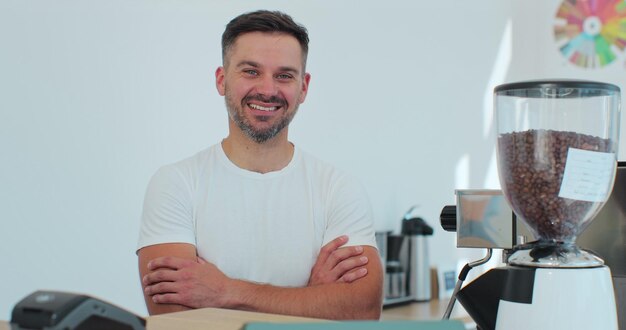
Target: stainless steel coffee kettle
416 232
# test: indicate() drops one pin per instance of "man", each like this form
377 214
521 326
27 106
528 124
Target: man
255 223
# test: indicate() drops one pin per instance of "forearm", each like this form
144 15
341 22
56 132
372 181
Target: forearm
329 301
146 254
175 283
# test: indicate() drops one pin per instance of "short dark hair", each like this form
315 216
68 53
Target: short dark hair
264 21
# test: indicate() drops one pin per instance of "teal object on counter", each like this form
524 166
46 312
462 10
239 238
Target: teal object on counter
360 325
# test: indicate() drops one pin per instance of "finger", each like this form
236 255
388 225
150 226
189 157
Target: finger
334 244
350 264
342 254
330 247
160 288
336 272
163 275
353 275
168 262
167 298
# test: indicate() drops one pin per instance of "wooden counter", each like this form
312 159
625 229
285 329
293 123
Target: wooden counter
225 319
214 318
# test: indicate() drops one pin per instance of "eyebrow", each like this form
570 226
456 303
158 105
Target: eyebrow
257 65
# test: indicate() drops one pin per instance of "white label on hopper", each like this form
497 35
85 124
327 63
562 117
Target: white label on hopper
588 175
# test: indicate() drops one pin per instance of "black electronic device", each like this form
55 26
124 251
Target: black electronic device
53 310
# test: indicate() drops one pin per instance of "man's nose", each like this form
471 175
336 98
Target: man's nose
267 86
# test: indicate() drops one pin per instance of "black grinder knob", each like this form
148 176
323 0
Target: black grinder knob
448 218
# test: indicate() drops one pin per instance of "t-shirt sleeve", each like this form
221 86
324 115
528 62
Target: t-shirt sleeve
350 213
167 215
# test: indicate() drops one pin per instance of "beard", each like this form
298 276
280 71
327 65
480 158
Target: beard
258 135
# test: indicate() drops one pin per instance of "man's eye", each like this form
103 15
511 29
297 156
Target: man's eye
284 76
251 72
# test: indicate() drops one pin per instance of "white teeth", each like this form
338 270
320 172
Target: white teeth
258 107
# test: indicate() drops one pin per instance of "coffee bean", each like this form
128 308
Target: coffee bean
531 165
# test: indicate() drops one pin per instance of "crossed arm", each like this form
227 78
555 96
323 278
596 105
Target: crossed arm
342 285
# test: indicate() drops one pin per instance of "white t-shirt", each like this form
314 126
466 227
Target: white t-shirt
266 228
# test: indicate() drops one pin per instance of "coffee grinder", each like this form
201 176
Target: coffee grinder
557 144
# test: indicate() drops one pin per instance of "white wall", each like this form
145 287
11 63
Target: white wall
96 95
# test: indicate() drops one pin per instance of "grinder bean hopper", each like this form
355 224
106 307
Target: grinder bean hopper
557 144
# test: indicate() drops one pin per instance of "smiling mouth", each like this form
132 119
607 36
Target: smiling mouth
264 103
262 108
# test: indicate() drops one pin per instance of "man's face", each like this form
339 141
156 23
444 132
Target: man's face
263 82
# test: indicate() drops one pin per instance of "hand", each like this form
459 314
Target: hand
335 264
190 283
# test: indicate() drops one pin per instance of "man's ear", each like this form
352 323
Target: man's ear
219 80
305 86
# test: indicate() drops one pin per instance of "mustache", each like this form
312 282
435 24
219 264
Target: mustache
265 99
